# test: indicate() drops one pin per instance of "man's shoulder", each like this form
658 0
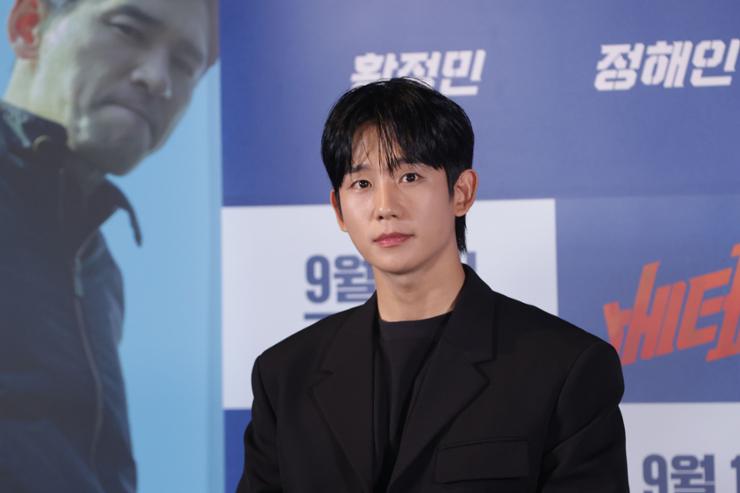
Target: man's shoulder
11 196
307 346
547 351
531 328
517 323
8 177
18 190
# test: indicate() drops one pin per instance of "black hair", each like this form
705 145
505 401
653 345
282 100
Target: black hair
415 124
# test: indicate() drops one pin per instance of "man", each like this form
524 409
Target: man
436 383
97 85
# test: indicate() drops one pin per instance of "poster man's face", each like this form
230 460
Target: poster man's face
118 74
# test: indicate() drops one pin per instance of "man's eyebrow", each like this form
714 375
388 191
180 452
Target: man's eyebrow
138 14
356 168
150 21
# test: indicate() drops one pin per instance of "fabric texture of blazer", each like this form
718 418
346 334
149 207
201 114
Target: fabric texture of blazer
513 399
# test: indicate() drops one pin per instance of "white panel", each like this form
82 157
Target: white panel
515 246
683 429
266 249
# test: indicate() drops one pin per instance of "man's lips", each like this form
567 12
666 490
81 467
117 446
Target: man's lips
139 111
391 239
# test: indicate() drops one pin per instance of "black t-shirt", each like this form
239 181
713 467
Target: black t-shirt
401 350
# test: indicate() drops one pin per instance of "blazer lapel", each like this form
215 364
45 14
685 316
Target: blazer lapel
451 380
344 393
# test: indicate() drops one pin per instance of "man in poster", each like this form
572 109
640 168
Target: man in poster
97 85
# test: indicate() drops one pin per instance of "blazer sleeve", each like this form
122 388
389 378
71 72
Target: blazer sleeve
586 451
261 470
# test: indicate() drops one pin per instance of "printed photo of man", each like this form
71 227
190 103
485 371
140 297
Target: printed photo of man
97 85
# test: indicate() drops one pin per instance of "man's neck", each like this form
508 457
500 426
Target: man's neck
19 94
87 176
422 294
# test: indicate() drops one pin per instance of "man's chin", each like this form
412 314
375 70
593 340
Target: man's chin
111 145
394 266
111 160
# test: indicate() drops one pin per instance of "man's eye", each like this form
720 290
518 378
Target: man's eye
184 66
410 177
360 184
128 30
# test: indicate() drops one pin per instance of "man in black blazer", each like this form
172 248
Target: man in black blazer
436 383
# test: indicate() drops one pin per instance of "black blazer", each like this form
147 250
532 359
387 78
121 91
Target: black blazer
513 400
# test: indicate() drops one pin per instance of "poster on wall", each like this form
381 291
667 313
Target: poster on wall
100 97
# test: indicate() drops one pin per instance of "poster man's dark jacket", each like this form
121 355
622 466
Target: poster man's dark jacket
512 400
63 419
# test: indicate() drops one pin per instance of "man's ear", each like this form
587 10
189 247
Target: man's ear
334 199
464 192
24 27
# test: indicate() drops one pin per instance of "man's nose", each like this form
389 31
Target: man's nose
386 200
153 74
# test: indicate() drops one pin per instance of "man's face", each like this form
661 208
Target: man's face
119 73
400 221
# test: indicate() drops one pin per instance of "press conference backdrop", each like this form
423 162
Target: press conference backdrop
610 190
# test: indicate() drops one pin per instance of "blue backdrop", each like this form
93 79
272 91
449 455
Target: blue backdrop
623 113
